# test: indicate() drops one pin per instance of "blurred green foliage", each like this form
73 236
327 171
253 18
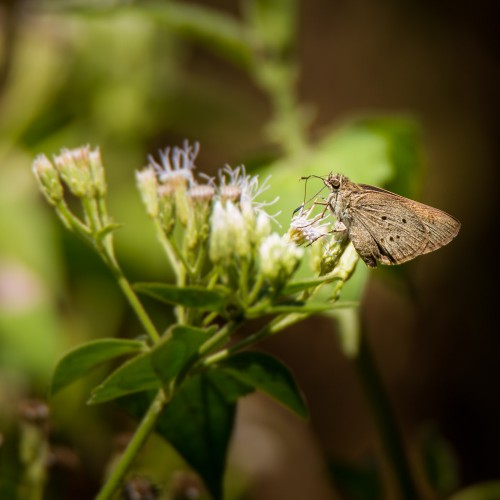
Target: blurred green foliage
132 78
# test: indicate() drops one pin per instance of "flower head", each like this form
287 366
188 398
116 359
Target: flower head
304 230
74 167
279 258
177 164
229 236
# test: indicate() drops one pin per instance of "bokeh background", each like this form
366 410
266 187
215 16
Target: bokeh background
133 79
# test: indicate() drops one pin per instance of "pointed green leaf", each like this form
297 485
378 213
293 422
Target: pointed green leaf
78 362
174 354
189 296
135 375
267 374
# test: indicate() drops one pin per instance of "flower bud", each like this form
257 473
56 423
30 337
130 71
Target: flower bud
166 207
279 258
48 179
238 230
197 230
219 248
229 236
97 171
262 226
73 166
148 188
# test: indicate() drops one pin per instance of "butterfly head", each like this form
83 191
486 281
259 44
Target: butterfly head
334 182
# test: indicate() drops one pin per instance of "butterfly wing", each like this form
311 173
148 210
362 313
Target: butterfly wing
391 229
441 227
389 232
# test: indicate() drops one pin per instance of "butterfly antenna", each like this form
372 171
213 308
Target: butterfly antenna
304 203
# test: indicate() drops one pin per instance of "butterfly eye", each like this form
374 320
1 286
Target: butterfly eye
334 183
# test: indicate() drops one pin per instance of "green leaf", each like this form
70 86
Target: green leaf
483 491
135 375
267 374
357 482
174 354
80 361
198 422
189 296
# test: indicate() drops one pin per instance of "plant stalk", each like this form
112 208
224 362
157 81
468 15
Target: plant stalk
145 428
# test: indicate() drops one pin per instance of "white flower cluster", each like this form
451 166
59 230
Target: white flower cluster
222 212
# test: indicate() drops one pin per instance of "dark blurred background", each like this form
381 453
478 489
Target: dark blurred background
133 80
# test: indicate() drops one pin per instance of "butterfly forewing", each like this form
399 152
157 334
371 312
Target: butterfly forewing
397 232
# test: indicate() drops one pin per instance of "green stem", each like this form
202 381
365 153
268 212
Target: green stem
259 282
276 325
129 293
141 434
179 265
72 222
169 251
385 421
244 279
91 211
221 336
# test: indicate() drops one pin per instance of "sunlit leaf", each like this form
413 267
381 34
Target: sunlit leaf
266 373
80 361
174 354
189 296
135 375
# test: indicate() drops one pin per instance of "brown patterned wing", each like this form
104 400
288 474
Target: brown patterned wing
386 229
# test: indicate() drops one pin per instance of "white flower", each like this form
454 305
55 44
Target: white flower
176 163
262 226
306 231
278 257
229 235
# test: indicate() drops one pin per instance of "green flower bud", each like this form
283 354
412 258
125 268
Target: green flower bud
48 179
148 188
73 166
166 207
